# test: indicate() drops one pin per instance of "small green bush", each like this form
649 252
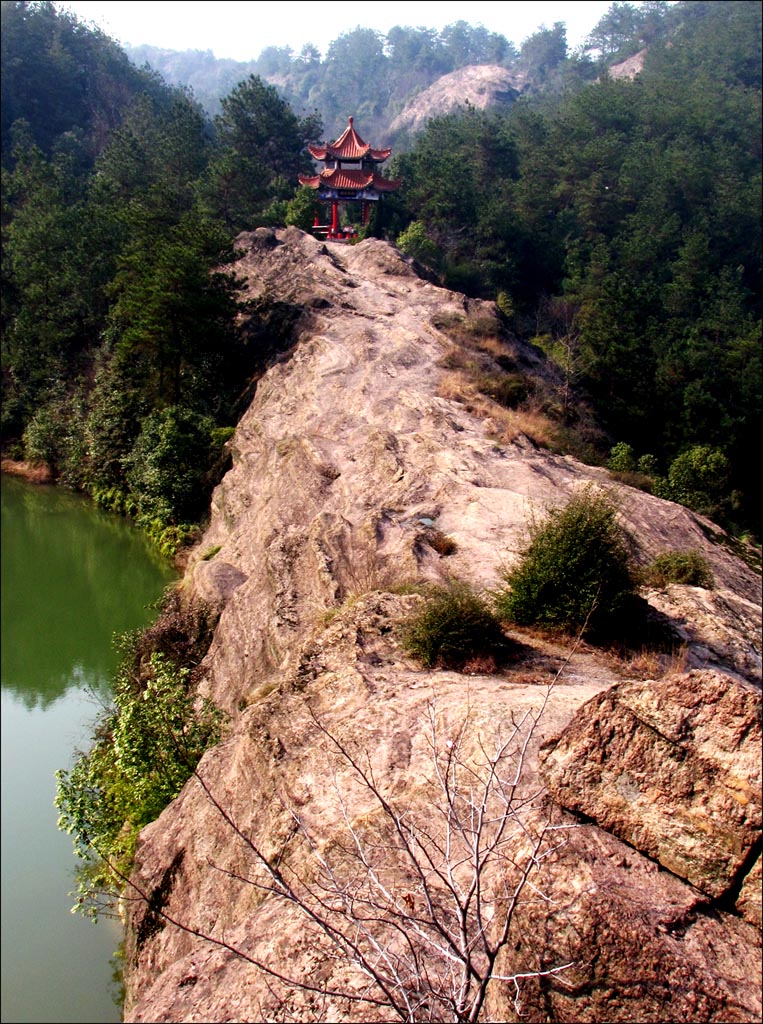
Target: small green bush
648 465
698 479
576 571
415 242
622 459
300 211
454 626
687 567
505 304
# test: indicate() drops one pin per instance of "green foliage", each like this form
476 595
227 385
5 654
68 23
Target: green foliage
168 465
505 304
260 151
414 242
144 751
454 627
300 211
622 458
576 571
364 72
687 567
55 436
113 499
648 465
62 78
169 539
698 478
635 208
623 219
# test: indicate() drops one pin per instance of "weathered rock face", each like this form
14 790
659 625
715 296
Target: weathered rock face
674 769
629 68
479 85
644 945
346 459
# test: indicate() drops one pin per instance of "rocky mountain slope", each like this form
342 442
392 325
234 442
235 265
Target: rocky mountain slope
356 453
479 86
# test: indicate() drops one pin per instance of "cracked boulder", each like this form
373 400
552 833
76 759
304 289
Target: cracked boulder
673 768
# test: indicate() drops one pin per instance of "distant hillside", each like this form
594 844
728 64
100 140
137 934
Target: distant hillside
61 81
209 77
384 80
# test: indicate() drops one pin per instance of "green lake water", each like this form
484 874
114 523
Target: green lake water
72 577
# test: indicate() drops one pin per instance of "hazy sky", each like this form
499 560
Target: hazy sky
243 28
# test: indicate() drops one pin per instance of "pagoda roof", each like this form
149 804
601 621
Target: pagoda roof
349 146
344 178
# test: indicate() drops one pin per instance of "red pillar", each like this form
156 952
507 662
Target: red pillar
334 218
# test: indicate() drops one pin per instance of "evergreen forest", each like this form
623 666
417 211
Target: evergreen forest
616 222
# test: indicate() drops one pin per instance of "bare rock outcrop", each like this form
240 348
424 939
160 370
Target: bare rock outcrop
629 68
644 945
347 459
674 769
477 85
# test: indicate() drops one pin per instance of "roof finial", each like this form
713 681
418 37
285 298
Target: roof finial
349 121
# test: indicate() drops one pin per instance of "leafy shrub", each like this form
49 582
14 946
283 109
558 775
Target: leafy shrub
622 459
169 539
687 567
54 437
698 478
114 499
145 750
300 211
415 242
576 570
454 627
505 304
648 465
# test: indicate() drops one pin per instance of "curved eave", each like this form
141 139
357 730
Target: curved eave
387 184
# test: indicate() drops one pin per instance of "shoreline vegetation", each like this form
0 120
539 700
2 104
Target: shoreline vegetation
33 473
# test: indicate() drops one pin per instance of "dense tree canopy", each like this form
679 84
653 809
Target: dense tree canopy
122 363
62 77
634 206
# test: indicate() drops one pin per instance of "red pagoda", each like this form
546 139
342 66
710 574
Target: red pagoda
349 176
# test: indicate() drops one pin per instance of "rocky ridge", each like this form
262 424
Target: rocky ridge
477 85
349 456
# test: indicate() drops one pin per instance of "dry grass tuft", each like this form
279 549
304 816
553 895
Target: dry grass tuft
504 425
531 422
651 664
480 665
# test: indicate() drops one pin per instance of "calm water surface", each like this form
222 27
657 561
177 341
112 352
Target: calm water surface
72 577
